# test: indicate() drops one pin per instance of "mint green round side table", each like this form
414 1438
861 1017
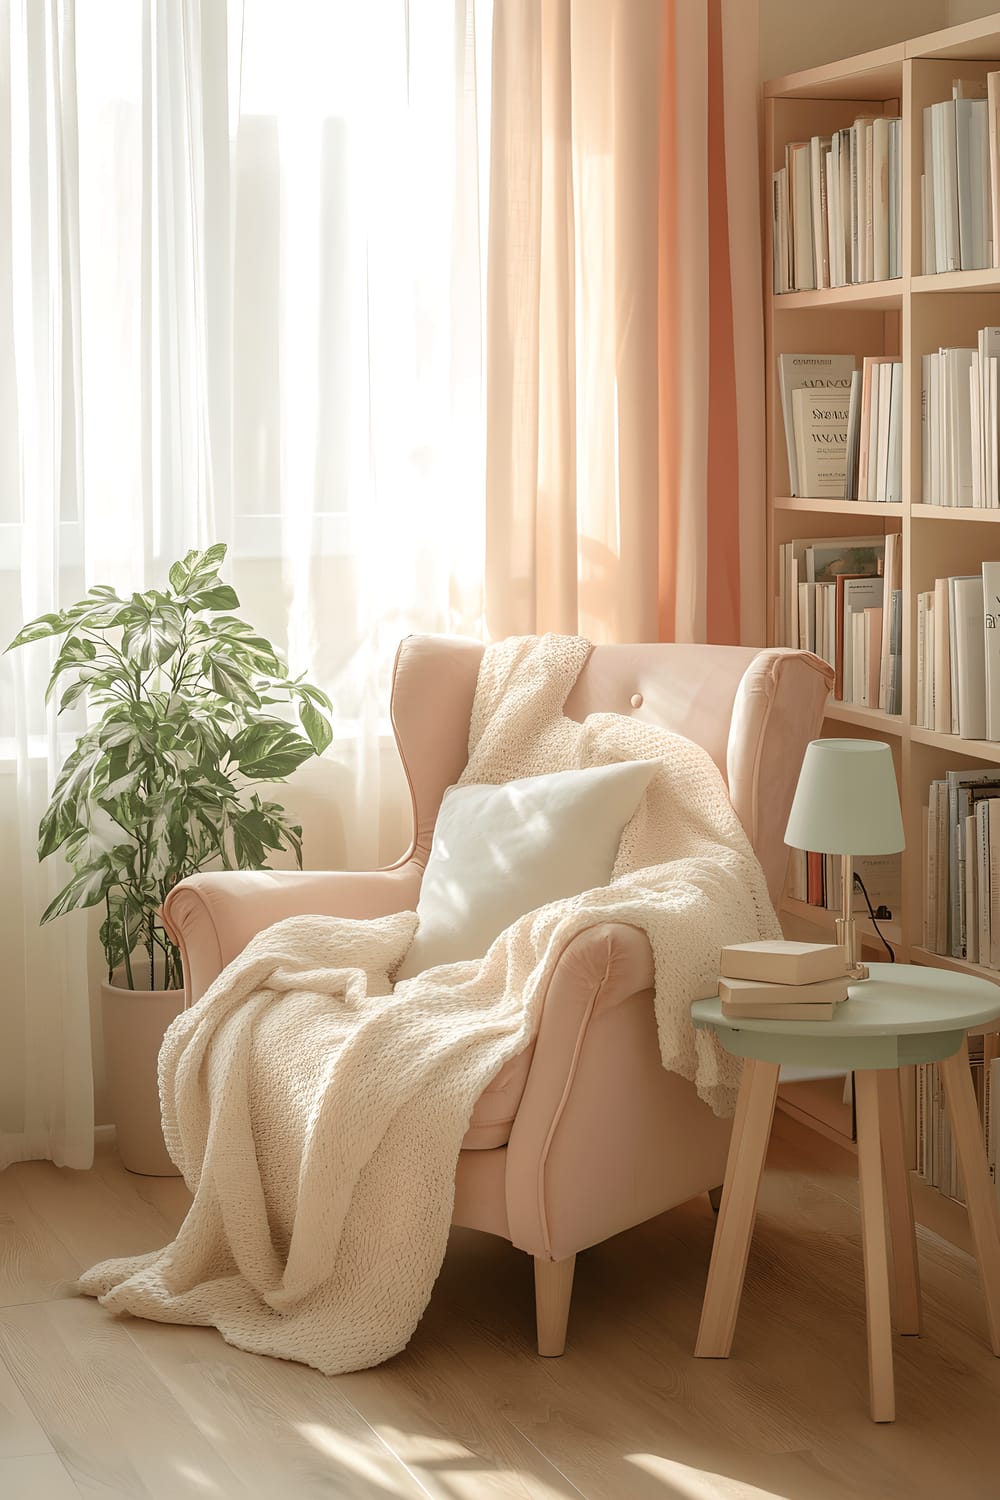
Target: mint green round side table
903 1014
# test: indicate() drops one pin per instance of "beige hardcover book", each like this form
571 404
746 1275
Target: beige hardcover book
942 658
744 992
820 420
993 129
764 1012
776 962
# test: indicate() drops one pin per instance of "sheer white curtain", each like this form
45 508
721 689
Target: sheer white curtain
240 300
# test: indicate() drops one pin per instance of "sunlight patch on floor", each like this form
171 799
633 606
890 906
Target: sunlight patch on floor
687 1483
346 1453
197 1477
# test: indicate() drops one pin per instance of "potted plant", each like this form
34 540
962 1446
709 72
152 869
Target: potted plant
185 722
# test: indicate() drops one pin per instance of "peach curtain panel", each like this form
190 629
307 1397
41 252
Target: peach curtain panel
624 350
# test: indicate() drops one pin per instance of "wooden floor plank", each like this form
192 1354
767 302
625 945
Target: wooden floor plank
21 1434
35 1265
97 1215
36 1478
281 1428
112 1422
469 1411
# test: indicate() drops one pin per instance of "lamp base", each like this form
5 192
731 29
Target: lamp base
856 972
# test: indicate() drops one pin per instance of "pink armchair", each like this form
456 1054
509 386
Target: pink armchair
572 1141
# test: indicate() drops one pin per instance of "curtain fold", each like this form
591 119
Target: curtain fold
241 267
624 486
710 327
46 1083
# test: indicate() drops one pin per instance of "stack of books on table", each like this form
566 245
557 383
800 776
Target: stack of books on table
782 981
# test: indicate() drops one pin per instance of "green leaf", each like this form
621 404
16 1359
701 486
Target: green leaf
269 751
229 682
313 694
45 625
154 639
247 851
279 764
60 817
114 732
121 786
316 726
85 889
73 694
75 651
213 557
219 597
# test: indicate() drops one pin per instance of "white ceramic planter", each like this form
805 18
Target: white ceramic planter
134 1024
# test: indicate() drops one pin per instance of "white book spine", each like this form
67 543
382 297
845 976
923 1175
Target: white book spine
970 656
991 647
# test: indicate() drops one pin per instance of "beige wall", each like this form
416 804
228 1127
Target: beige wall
798 34
969 10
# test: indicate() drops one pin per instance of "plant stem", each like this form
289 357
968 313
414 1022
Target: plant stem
150 945
128 963
107 908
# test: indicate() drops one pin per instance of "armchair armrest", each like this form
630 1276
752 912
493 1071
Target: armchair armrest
604 1136
212 917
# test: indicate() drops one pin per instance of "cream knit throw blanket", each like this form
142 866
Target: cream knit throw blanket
317 1115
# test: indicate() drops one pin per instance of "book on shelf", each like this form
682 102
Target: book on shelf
820 421
812 372
991 1122
841 598
888 696
836 207
935 1158
843 426
957 190
958 659
962 905
861 598
881 874
818 561
991 647
958 416
965 790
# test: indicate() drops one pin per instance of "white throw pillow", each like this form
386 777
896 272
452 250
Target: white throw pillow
501 851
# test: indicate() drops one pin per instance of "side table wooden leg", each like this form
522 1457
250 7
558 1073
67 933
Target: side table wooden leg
876 1249
981 1203
906 1274
731 1247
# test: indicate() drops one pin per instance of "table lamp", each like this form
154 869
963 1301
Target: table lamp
847 803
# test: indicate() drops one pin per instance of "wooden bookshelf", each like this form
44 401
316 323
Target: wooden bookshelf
906 317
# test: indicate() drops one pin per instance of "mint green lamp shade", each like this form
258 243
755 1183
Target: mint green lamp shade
846 801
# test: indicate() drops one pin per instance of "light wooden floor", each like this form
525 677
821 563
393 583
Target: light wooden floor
96 1406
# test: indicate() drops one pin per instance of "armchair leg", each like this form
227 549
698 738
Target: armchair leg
553 1290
